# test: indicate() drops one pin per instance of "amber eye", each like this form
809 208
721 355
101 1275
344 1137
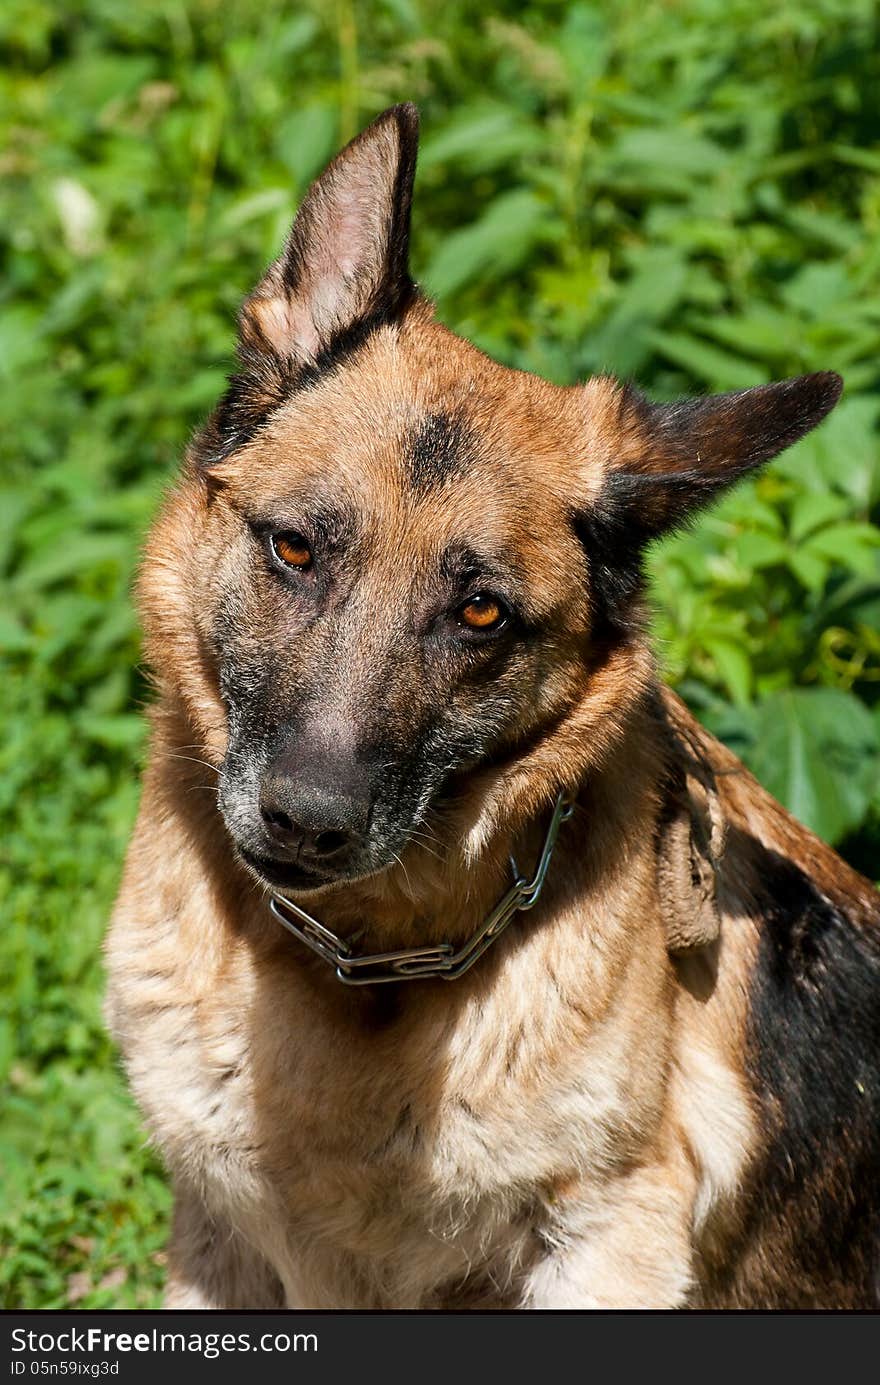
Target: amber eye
482 612
292 550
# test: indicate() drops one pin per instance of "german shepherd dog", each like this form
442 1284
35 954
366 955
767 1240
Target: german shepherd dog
454 964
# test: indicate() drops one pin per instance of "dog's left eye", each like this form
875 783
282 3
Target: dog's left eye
292 550
483 613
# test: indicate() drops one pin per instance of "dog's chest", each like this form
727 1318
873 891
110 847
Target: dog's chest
439 1117
423 1148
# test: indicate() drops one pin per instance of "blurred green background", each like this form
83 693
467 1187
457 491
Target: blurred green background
686 193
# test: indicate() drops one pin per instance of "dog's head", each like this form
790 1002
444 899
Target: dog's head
395 569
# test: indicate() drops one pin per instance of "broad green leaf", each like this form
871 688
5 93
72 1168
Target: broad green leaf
492 246
853 546
843 454
818 751
810 511
256 205
743 506
305 139
765 334
733 666
121 731
480 137
817 289
810 568
759 549
621 343
672 149
73 559
719 369
824 227
13 636
21 343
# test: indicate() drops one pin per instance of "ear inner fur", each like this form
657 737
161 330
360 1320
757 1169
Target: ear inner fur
347 255
344 271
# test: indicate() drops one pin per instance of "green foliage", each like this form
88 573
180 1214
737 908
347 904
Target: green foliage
686 194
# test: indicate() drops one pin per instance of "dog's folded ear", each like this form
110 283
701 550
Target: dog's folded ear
669 460
345 266
687 452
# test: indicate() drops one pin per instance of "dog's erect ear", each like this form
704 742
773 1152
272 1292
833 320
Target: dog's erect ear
343 271
346 260
672 459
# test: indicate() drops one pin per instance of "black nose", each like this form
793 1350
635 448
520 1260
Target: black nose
315 824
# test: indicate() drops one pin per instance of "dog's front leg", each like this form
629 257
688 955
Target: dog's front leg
626 1245
210 1265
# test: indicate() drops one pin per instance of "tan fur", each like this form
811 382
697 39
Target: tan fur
281 1097
570 1124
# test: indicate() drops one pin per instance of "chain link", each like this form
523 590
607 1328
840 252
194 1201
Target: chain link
421 963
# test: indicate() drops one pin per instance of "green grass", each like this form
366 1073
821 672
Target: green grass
685 193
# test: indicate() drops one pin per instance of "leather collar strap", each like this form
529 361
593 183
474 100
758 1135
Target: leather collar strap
422 963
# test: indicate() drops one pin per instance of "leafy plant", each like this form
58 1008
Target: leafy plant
689 195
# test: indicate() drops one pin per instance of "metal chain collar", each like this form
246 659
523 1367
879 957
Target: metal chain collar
420 963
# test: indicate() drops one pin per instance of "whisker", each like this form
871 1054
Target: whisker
423 829
422 846
406 875
172 755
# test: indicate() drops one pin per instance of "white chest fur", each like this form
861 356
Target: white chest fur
381 1166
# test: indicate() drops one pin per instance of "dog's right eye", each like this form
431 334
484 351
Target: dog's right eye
291 550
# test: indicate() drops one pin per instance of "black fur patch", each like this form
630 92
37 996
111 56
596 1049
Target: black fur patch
439 447
252 395
691 451
614 535
268 381
813 1048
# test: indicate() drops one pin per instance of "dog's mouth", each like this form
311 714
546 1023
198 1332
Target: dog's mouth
284 876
